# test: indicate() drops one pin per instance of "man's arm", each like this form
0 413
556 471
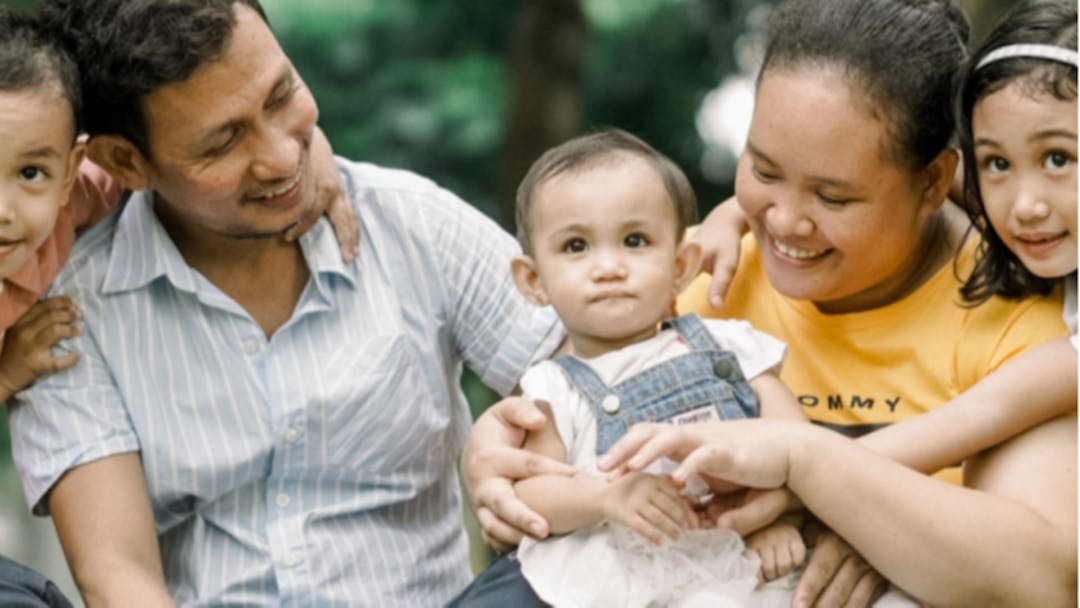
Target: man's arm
102 515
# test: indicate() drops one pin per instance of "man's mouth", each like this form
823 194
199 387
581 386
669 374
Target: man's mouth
280 194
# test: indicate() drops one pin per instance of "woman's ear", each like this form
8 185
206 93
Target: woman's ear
938 180
122 159
527 279
687 264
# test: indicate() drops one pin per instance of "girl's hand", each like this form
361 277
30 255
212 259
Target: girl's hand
27 344
719 237
648 504
330 198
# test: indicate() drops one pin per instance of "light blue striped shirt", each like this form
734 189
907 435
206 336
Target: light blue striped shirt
316 468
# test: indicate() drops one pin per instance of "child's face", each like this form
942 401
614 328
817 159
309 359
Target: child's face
605 253
38 162
1025 151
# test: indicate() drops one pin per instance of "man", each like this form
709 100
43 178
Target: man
254 422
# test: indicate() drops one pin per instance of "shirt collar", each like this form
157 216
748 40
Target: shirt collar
142 251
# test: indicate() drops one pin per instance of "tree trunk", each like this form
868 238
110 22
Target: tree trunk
546 65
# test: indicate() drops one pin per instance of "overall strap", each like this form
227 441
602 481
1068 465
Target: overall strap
583 378
693 330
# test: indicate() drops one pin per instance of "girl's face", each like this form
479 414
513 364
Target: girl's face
838 223
1025 151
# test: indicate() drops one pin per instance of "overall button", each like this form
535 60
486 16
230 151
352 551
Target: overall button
610 404
723 369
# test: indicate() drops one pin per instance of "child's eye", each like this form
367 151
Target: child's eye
575 245
32 174
1056 160
995 164
635 241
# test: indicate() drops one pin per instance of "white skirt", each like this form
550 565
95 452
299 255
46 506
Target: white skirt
615 566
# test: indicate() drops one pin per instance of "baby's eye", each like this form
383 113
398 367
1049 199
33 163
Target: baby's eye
575 246
32 174
1056 160
635 241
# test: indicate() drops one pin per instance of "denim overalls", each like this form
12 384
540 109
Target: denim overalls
703 384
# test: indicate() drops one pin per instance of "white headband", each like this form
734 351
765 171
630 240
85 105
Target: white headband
1033 51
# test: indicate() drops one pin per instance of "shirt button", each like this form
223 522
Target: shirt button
250 346
292 435
282 500
723 368
610 404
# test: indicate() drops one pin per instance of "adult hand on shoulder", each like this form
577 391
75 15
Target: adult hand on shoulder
719 237
836 575
490 463
330 198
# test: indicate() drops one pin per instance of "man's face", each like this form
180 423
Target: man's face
228 147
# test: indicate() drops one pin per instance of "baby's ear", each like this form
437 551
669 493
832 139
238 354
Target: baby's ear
122 159
687 264
527 279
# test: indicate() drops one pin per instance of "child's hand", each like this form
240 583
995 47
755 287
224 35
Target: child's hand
26 353
781 549
648 504
330 198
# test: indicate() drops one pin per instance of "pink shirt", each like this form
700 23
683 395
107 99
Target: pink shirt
94 194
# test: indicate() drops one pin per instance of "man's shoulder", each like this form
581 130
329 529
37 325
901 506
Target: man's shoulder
89 257
368 178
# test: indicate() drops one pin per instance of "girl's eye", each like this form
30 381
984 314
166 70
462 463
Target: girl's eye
575 246
635 240
1056 160
996 164
31 174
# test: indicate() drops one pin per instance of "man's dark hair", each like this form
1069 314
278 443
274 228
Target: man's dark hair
589 151
29 58
126 49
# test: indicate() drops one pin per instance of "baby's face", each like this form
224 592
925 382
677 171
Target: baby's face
605 248
1025 151
38 162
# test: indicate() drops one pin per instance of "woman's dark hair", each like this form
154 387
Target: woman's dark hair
589 151
126 49
997 271
29 58
903 55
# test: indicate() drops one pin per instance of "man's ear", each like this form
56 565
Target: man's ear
527 279
75 158
687 264
938 179
122 159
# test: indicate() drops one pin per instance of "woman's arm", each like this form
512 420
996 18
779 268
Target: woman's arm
102 515
1033 387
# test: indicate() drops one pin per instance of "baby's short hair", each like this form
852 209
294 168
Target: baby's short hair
31 58
588 151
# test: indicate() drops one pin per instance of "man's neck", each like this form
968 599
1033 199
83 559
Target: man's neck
265 275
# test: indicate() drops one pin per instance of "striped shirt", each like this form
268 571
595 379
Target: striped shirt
316 468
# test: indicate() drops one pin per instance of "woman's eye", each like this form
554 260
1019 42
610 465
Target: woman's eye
829 200
763 175
635 241
575 246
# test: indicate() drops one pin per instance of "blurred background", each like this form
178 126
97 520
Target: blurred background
470 92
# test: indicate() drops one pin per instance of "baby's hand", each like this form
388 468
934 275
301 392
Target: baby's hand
781 549
26 353
648 504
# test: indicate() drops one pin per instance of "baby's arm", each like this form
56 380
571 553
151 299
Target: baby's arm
26 353
648 504
780 546
1031 388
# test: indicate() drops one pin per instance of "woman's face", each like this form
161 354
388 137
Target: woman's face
837 221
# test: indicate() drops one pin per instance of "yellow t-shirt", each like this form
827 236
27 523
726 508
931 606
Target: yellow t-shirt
860 371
